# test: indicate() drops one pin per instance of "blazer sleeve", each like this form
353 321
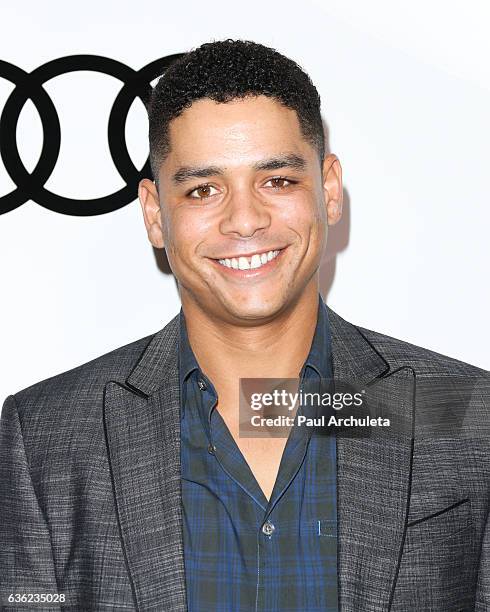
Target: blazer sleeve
26 556
482 602
481 424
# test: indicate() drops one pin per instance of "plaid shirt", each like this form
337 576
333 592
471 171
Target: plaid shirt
241 551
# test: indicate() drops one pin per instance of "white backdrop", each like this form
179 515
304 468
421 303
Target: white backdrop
406 98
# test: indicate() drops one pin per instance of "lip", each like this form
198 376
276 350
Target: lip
256 272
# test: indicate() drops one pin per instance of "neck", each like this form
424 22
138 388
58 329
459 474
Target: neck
275 349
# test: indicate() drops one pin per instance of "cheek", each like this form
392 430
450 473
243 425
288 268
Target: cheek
304 216
184 231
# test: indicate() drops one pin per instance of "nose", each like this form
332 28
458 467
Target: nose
245 214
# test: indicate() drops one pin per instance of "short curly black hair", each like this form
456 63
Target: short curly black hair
225 70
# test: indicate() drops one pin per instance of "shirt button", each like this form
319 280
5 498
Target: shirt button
211 449
201 384
268 528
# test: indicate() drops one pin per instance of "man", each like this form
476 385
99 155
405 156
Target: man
125 482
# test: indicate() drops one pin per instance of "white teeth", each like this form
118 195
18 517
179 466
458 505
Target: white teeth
243 263
249 263
255 262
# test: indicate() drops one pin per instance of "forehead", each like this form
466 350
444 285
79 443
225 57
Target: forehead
235 131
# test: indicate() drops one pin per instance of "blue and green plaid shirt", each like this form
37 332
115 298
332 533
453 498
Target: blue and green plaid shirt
242 552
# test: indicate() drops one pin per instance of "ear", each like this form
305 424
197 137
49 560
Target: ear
150 204
332 187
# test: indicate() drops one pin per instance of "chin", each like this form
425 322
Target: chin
254 308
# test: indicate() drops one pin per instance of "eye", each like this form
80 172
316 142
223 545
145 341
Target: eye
202 191
278 182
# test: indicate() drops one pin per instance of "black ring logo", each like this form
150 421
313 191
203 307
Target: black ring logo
30 186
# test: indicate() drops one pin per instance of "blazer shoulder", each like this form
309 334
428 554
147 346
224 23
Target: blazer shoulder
82 383
424 361
85 383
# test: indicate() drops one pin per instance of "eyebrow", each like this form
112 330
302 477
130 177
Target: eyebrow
287 160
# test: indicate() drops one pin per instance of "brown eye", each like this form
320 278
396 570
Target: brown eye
278 182
202 192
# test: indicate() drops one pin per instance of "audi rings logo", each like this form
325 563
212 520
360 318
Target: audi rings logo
29 86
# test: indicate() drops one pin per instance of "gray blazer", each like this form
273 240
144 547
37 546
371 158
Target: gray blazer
90 501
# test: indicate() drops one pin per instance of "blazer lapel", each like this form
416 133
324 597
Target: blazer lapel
374 474
142 426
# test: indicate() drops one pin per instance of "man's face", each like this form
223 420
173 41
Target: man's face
243 208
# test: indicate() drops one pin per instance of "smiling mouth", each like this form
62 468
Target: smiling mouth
249 262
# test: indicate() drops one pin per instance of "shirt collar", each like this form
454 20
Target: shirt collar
319 357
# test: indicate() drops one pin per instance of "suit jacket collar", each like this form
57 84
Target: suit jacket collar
354 356
158 361
142 425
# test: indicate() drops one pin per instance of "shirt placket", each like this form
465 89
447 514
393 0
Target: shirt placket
293 457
